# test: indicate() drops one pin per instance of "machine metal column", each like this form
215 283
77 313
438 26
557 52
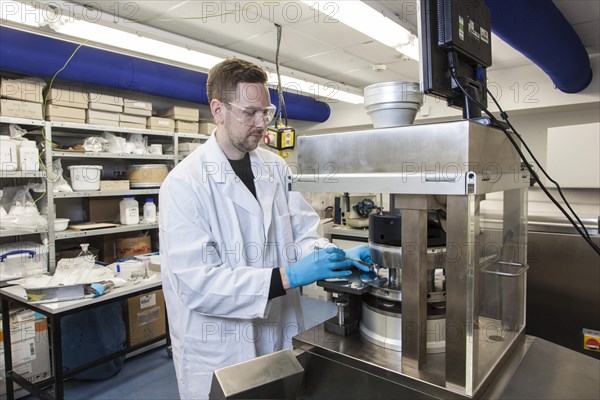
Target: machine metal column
462 262
414 279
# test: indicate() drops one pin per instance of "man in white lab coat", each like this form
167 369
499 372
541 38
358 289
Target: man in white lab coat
235 243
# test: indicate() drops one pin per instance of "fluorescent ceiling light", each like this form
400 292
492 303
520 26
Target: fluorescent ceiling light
360 16
129 41
25 14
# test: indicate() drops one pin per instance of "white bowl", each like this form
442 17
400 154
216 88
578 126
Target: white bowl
60 224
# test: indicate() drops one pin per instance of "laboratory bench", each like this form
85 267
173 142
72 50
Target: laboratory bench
15 296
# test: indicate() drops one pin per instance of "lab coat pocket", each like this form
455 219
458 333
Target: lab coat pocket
284 237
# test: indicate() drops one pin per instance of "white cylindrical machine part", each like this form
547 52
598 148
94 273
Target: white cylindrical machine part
384 329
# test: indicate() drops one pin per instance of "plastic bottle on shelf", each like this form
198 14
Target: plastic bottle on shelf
28 156
150 211
129 211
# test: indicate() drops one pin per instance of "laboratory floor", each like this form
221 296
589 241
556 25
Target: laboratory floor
151 375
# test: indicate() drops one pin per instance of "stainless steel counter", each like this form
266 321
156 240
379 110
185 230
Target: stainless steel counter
352 368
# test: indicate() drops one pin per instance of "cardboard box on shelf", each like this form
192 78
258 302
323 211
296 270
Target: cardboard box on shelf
102 122
132 246
20 109
134 119
22 89
114 185
140 105
146 317
82 106
95 114
186 127
206 128
182 113
55 113
70 96
72 120
188 147
160 124
137 111
130 125
102 209
106 96
113 108
30 350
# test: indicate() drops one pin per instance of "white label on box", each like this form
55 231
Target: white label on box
147 300
163 122
25 315
22 331
22 352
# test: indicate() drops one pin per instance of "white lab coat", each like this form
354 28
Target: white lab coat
218 246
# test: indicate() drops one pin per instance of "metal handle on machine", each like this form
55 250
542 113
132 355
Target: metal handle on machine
522 268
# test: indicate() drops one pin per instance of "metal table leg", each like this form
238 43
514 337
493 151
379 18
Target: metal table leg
55 332
7 350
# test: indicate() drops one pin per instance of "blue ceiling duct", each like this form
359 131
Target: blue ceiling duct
538 30
36 55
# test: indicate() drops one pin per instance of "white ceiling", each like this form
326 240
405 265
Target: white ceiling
326 49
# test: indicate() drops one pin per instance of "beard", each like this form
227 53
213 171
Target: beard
248 141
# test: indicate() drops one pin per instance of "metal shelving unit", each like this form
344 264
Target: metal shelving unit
71 234
192 136
25 123
91 154
75 130
104 193
20 232
21 121
22 174
102 128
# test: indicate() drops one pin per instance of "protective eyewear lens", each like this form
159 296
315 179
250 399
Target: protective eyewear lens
248 116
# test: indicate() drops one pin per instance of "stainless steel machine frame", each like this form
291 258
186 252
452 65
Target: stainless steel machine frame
453 166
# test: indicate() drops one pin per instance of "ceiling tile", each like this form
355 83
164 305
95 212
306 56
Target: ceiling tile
578 11
374 52
293 46
336 34
329 63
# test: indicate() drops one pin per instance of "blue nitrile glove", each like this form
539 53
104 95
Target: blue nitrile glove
361 252
320 264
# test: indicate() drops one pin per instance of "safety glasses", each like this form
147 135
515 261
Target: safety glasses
249 116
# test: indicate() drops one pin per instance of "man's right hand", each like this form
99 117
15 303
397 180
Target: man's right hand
321 264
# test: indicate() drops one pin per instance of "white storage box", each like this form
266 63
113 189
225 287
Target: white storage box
41 251
19 260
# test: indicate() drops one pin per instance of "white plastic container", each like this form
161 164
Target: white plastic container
29 156
85 177
8 154
129 211
150 211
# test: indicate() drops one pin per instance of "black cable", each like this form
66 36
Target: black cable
504 116
279 88
451 61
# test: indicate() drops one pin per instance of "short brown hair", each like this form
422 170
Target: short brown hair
224 77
